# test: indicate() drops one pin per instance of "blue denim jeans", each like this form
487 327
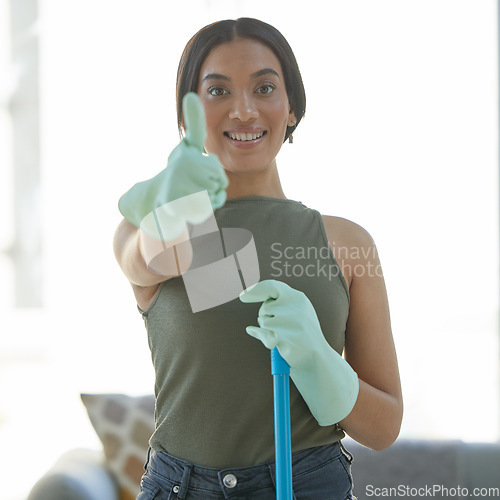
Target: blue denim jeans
321 473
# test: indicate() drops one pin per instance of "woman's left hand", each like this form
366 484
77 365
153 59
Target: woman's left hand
287 320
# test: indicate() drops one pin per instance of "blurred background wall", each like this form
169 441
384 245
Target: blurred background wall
402 122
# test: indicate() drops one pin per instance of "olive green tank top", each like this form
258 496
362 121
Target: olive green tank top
213 383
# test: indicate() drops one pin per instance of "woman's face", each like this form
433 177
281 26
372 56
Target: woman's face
243 92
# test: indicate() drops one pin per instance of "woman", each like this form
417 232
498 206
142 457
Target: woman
214 424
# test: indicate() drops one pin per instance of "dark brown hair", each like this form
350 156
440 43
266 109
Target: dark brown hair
200 45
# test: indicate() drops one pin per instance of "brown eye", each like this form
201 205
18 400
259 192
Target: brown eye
266 89
217 91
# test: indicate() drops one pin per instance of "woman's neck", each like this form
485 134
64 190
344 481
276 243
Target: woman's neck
264 183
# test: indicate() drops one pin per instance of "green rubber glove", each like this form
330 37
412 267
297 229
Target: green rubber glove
289 322
188 171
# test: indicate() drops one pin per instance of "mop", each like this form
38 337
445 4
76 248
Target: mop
282 436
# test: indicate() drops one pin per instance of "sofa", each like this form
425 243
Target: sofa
409 468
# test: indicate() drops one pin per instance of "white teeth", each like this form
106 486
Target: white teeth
245 137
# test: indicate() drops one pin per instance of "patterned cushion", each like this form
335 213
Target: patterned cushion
124 425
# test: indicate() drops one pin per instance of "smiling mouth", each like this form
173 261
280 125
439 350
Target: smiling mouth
245 136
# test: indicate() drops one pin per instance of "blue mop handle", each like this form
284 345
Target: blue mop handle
282 435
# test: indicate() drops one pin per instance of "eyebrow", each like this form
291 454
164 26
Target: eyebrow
261 72
265 71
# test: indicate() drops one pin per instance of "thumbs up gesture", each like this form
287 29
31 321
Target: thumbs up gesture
189 171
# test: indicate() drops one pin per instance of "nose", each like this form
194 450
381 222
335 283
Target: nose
244 108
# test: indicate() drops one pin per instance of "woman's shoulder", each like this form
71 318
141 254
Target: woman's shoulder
346 232
352 246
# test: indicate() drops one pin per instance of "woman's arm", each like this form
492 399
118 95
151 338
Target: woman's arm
145 260
375 420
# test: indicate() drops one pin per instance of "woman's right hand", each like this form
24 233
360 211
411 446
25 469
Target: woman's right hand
189 171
